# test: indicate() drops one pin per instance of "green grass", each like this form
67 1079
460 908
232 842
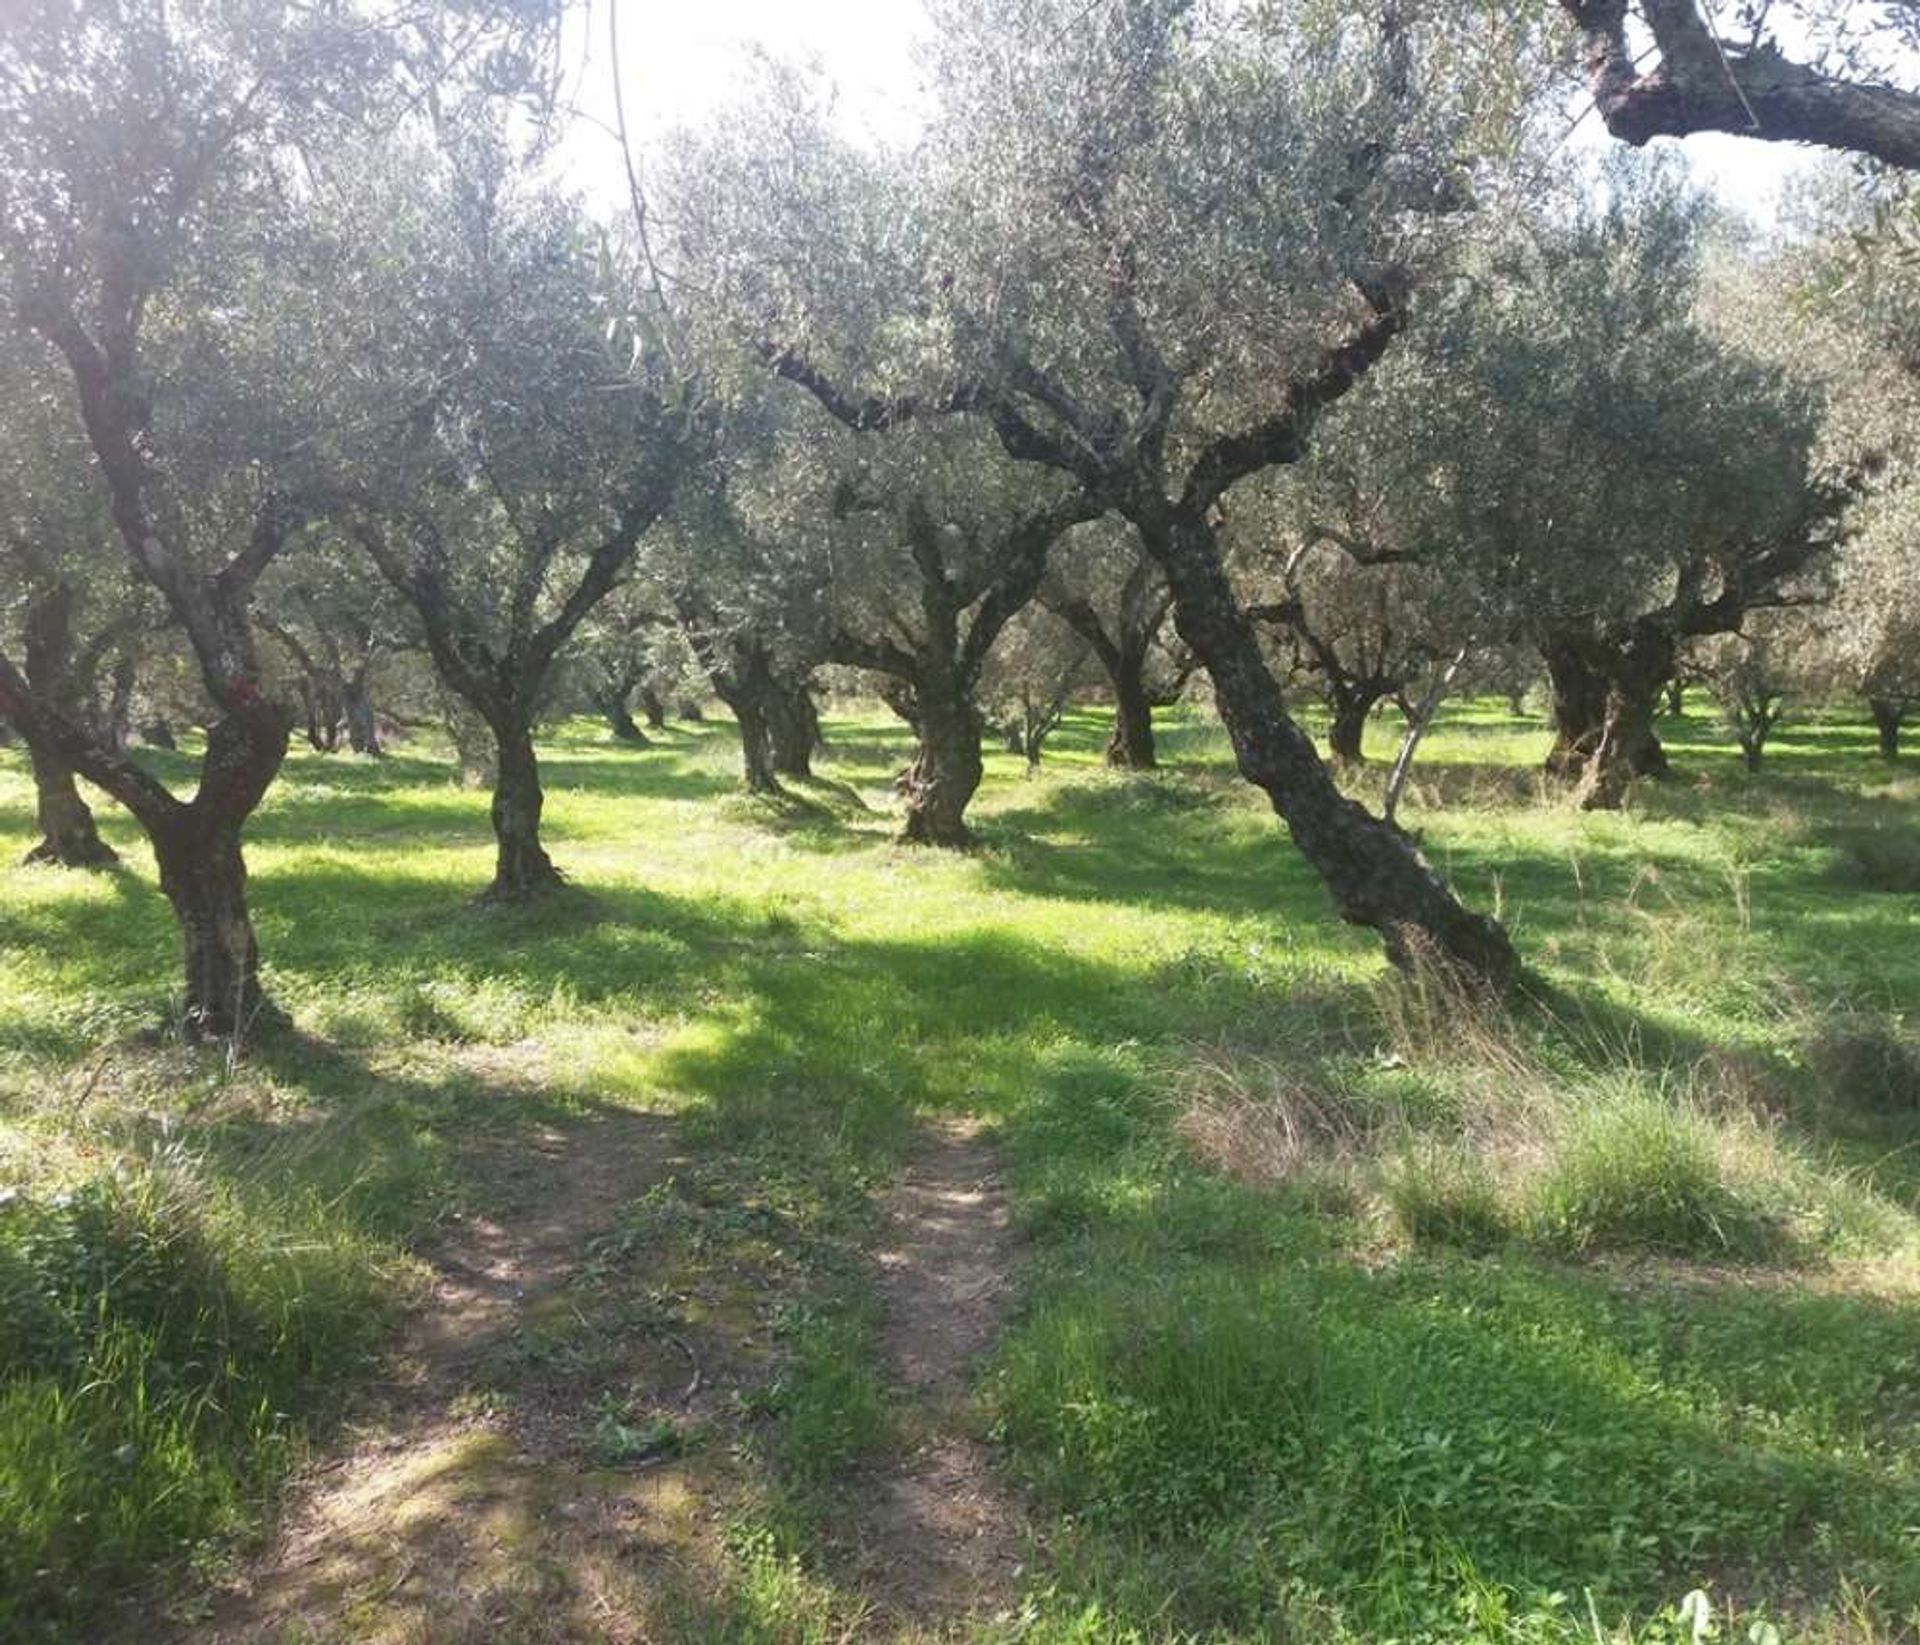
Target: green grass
1346 1310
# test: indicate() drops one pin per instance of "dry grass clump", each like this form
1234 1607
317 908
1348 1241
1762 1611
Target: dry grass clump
1261 1122
1866 1062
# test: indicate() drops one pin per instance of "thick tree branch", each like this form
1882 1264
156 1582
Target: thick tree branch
1701 83
1281 438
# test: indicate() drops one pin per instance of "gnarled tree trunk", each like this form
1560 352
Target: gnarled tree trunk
522 868
756 739
204 877
793 728
1887 716
944 776
1346 736
619 717
1376 877
1131 746
1606 699
69 836
363 725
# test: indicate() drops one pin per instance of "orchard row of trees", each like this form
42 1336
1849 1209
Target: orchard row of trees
1256 345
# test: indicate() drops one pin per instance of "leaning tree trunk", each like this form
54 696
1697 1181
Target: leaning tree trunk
946 770
68 834
793 728
1130 747
363 725
522 868
1373 872
1887 715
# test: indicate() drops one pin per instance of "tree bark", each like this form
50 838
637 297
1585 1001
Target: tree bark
793 726
619 717
1346 736
120 705
946 769
653 708
522 869
1131 746
1606 699
1887 715
1375 875
756 738
69 837
363 724
204 877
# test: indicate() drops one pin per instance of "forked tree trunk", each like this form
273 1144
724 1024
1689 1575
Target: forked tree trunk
522 868
1375 875
69 836
793 727
1131 747
363 725
945 773
1887 715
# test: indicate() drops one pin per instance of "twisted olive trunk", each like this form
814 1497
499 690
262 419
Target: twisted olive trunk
1131 746
363 725
756 738
1346 736
69 837
1606 700
1887 716
204 877
522 868
793 727
946 769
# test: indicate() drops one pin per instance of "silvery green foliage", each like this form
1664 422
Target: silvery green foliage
1566 433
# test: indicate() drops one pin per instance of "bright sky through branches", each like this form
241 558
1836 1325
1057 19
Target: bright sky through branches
680 63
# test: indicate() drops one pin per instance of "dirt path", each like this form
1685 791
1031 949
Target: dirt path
942 1538
503 1487
443 1519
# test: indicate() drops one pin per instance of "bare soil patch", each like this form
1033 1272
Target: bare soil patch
942 1537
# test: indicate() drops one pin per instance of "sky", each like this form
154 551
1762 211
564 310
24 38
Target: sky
683 60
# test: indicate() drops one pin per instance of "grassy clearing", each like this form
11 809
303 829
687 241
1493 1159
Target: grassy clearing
1348 1309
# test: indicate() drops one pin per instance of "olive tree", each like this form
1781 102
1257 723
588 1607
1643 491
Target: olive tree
1168 238
546 432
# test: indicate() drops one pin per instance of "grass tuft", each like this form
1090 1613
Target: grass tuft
1645 1175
